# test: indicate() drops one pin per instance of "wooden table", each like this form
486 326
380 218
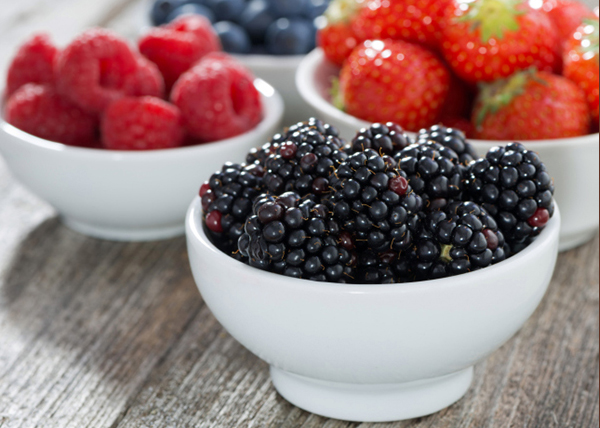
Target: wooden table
111 335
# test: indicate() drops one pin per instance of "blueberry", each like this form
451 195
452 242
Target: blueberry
161 9
288 8
191 8
316 8
226 10
233 37
285 37
256 18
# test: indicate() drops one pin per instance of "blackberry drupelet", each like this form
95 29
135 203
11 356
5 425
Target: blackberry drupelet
227 201
297 238
387 139
377 268
452 138
374 203
513 185
304 163
433 172
260 155
461 238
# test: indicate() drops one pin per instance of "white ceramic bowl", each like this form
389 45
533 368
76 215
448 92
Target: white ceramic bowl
126 195
280 71
371 353
572 162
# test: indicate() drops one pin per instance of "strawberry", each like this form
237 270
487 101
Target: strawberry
530 105
336 36
581 62
566 15
394 81
485 40
416 21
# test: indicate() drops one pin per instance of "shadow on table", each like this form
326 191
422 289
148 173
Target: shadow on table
74 306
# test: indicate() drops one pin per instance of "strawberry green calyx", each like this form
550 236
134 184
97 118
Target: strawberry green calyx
492 17
337 98
499 94
342 10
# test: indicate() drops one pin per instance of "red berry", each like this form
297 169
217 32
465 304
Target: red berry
581 62
394 81
144 123
399 185
540 218
147 80
176 47
491 238
33 63
416 21
40 111
204 188
93 70
288 150
336 37
486 40
213 221
530 106
566 15
218 100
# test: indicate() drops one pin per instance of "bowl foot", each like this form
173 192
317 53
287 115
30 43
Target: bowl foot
125 234
573 240
372 403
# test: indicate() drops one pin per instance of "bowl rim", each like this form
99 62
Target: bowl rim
273 110
195 232
269 61
310 94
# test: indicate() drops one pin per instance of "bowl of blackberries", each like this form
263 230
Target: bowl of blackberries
361 270
269 36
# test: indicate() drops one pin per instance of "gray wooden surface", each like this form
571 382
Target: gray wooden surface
97 334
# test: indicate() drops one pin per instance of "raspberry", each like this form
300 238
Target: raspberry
218 100
40 111
93 70
33 63
142 124
147 80
176 47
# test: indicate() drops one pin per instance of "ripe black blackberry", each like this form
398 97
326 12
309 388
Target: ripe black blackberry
227 201
433 172
387 139
377 268
303 163
513 185
260 155
374 203
461 238
297 238
452 138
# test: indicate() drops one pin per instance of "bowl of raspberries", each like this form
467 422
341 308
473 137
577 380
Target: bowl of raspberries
111 136
270 37
497 71
373 275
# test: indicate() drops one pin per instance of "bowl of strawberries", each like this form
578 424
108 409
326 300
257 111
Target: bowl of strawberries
497 71
111 137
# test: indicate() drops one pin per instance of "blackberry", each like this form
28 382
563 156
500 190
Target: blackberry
374 203
297 238
461 238
227 201
303 163
513 185
260 155
452 138
377 268
433 172
387 139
